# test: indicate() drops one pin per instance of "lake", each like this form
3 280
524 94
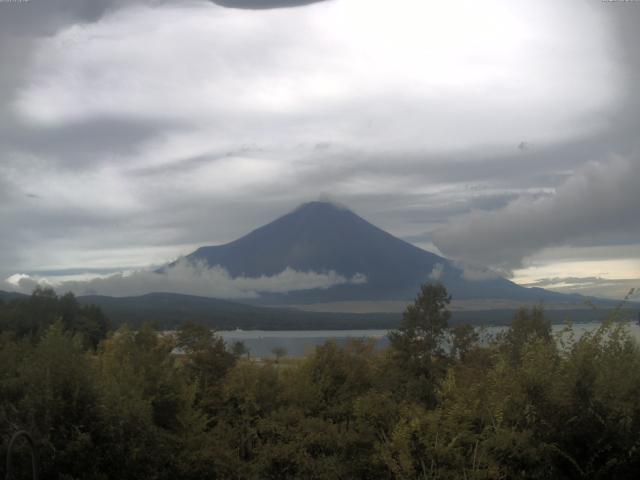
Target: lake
298 343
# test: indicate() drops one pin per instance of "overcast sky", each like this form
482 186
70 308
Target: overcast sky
500 133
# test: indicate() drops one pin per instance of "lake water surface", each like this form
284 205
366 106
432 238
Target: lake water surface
301 342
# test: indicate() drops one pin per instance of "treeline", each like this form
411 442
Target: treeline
439 403
30 317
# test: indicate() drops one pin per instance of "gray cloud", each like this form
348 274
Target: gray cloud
188 278
602 198
82 145
592 286
45 17
436 272
24 28
476 273
24 24
264 4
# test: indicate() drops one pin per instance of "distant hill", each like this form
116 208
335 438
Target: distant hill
10 295
321 236
170 310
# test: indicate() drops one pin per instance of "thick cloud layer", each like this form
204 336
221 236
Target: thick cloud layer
613 288
264 4
602 199
188 278
340 69
45 17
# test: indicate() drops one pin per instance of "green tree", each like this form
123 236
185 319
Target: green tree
206 360
279 353
239 349
51 393
417 347
526 326
463 338
31 316
150 420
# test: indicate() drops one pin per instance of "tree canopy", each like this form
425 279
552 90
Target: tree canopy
439 403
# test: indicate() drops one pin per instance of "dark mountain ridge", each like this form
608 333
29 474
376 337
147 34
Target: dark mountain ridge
7 296
170 310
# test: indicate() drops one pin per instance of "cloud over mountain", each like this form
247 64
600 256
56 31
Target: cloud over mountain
193 278
601 199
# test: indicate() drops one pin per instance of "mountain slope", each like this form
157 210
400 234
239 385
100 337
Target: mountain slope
321 237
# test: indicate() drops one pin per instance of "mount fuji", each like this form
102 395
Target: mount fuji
324 237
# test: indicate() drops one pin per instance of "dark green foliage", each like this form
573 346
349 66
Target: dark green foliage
206 361
417 346
463 339
424 324
31 316
144 404
526 327
239 349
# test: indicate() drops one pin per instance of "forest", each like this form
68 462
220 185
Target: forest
441 402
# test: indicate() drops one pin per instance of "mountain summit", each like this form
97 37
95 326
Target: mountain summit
323 237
